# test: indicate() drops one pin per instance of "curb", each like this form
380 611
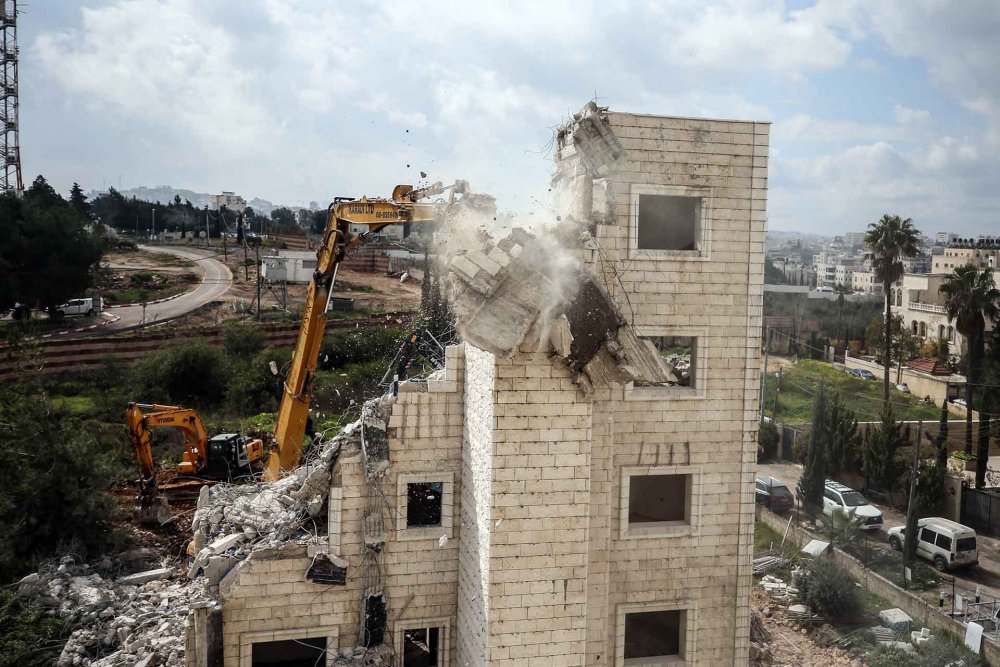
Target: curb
111 320
148 303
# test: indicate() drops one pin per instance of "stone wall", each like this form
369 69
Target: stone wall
268 597
715 294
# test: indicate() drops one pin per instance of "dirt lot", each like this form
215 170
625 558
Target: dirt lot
789 643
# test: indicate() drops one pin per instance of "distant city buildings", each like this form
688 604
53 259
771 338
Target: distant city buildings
230 200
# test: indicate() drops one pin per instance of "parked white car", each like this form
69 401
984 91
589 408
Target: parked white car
89 306
836 496
945 543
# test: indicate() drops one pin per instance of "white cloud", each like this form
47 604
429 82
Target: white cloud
742 35
156 62
908 116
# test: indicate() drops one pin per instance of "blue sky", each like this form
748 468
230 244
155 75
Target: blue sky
878 105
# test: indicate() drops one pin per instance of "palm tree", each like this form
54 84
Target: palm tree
889 240
971 298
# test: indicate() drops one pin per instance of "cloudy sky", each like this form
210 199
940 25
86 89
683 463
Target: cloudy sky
878 105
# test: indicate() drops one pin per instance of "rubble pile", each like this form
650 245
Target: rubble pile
137 620
233 520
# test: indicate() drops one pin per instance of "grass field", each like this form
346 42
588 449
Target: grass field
799 384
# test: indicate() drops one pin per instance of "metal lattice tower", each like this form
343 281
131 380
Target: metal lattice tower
10 149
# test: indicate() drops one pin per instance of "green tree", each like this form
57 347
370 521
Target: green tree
813 481
828 588
283 218
79 202
972 299
768 439
46 253
844 440
52 485
888 241
942 436
878 454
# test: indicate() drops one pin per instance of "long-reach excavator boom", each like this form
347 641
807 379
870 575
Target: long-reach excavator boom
404 207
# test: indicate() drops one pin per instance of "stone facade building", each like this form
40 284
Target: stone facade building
533 518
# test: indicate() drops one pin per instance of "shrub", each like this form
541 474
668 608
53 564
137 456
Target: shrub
190 374
358 347
828 589
242 341
28 637
252 388
767 437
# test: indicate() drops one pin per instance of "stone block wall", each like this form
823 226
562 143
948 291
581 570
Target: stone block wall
715 295
268 598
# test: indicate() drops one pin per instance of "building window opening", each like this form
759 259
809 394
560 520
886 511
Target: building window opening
653 634
659 499
423 504
680 355
290 653
668 223
422 647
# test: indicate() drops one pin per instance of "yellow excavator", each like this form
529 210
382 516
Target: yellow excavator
404 207
229 454
224 456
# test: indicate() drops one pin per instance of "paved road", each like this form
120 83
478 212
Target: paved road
986 575
216 280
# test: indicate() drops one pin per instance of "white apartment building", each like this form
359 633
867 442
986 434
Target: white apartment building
536 519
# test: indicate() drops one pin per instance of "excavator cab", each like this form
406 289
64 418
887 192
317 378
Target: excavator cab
231 455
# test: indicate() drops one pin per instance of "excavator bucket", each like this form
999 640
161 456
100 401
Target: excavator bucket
152 509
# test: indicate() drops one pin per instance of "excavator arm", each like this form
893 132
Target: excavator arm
376 214
140 418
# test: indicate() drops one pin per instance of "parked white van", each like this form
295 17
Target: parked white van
945 543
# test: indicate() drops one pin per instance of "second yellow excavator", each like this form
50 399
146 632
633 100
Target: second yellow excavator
224 456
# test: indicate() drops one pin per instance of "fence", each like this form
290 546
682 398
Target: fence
80 354
981 510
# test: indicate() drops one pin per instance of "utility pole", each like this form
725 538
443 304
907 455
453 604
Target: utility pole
910 535
154 223
136 227
208 232
257 253
763 379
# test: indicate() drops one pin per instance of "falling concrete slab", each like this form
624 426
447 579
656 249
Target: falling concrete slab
140 578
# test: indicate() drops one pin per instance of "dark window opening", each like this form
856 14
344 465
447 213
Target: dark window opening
423 504
421 647
668 223
290 653
653 634
927 535
657 498
679 354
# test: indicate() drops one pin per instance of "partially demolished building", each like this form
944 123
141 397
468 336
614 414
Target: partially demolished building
575 486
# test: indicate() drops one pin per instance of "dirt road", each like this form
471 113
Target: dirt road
216 280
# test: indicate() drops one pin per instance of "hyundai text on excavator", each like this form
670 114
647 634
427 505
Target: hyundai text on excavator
223 456
404 207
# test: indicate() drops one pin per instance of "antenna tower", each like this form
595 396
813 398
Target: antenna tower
10 150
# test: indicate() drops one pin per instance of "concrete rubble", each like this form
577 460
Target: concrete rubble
134 620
